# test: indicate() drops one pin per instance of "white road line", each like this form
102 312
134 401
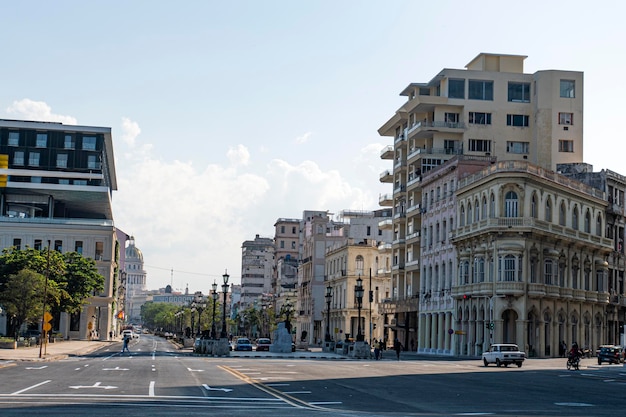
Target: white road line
277 385
151 389
297 392
29 388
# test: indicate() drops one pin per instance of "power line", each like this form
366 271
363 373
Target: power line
186 272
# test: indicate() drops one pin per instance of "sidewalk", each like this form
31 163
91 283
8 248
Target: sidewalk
50 352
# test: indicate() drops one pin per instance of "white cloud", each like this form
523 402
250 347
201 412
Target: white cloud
27 109
130 131
239 155
304 138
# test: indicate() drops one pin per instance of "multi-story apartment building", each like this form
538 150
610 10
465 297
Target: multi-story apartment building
257 266
286 255
60 182
491 108
614 187
320 233
438 255
532 260
347 261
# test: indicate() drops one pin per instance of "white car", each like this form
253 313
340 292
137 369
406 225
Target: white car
130 334
504 354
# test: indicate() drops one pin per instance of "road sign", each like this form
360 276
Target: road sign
90 325
459 332
47 317
47 327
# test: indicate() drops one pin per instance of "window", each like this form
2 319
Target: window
480 145
479 269
456 88
14 138
369 230
566 118
99 250
18 158
492 206
599 225
42 140
92 162
519 92
17 243
562 214
89 143
548 271
510 204
68 142
293 245
282 244
33 159
520 120
38 244
293 230
566 146
509 268
567 88
587 222
517 147
282 229
548 210
480 90
451 117
575 218
78 246
62 160
359 265
450 146
58 245
533 206
478 118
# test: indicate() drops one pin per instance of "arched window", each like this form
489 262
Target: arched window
562 214
483 211
359 265
464 273
548 210
599 225
479 269
492 206
476 211
462 217
510 204
469 213
587 222
575 218
533 206
508 268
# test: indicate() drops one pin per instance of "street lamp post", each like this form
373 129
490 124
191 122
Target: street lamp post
358 290
193 317
224 334
200 307
214 295
329 296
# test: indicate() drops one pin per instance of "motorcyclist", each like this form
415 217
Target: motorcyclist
574 353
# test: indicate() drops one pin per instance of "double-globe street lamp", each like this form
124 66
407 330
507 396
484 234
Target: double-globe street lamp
329 297
214 295
358 290
200 306
224 334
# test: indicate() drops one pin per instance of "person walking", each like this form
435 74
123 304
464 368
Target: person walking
125 344
376 350
397 346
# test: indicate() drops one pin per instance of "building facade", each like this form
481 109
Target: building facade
58 193
257 269
136 290
490 109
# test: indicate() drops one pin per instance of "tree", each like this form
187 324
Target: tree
23 296
80 280
159 315
73 276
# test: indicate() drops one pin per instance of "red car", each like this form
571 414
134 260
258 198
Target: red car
263 344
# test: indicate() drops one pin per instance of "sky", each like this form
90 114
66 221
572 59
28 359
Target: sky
227 115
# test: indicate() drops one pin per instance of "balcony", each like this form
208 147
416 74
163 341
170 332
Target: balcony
385 200
536 290
386 224
427 129
510 288
387 152
579 295
386 176
384 247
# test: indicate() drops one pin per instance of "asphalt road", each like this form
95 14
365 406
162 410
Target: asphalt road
155 379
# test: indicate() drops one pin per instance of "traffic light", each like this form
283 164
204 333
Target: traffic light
374 326
491 325
487 325
371 296
466 296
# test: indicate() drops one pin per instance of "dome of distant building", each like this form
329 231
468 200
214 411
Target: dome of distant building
132 252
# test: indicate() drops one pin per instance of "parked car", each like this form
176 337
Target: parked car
263 344
611 354
504 354
243 344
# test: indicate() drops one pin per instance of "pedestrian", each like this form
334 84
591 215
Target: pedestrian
376 350
111 335
381 347
397 346
125 345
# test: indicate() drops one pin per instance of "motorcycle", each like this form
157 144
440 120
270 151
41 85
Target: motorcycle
573 362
